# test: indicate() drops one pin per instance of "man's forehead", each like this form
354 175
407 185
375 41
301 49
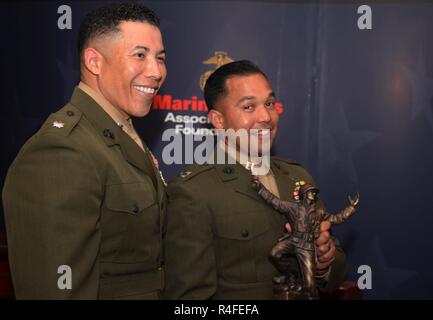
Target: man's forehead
248 85
137 28
139 34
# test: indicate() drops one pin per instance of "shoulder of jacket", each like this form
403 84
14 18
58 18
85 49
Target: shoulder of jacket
62 122
294 170
283 161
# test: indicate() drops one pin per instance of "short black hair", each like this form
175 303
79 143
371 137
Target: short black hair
215 87
106 19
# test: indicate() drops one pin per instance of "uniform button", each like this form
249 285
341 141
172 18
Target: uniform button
228 170
245 233
135 208
70 113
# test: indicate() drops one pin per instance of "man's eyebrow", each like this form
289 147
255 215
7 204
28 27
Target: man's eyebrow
245 98
147 49
142 47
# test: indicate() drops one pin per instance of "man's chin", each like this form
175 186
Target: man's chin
141 112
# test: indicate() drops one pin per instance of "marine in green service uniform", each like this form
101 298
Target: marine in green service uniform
219 231
83 200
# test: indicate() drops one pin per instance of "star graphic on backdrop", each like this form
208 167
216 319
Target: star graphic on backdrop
339 143
385 278
422 90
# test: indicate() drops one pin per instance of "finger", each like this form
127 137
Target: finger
324 248
323 265
325 226
323 238
288 228
328 255
321 250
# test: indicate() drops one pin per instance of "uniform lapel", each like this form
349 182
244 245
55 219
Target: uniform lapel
234 174
160 190
239 178
136 156
244 183
111 133
158 180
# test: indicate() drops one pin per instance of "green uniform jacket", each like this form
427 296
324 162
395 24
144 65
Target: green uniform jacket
220 233
81 193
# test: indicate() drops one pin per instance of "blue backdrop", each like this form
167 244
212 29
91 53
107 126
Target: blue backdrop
357 105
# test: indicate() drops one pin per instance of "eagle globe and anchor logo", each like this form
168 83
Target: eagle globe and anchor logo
219 59
193 104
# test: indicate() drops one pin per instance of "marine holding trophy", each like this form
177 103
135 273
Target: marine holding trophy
220 231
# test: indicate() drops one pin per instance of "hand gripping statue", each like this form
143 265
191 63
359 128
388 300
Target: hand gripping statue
298 247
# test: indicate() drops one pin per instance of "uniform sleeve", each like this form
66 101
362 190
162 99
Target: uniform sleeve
51 199
190 267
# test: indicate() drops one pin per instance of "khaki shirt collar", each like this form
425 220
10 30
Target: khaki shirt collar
120 119
242 158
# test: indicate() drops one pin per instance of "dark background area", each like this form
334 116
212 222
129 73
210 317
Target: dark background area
358 105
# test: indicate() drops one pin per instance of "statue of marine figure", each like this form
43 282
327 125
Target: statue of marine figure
298 246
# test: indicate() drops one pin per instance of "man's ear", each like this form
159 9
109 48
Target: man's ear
92 60
216 118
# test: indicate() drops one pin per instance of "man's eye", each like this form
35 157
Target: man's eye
270 104
248 107
162 59
140 55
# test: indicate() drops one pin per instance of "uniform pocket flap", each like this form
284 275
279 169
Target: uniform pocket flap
243 226
130 197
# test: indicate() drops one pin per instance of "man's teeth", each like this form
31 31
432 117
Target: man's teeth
264 132
145 89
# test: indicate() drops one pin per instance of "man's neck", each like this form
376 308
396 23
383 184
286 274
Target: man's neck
119 117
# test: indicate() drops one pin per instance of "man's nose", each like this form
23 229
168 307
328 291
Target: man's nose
153 69
263 114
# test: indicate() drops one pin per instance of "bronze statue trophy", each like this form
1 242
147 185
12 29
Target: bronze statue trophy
295 252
